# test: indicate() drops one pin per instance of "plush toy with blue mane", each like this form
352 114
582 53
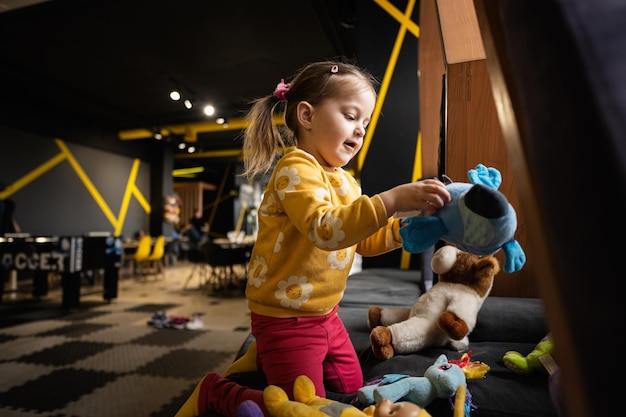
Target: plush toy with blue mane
478 220
441 380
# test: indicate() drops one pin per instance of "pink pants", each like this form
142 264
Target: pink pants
318 347
221 396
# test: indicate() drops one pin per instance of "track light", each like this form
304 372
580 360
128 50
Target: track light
209 110
157 133
182 145
175 95
180 92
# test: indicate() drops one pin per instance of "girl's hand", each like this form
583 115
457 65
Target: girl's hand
427 195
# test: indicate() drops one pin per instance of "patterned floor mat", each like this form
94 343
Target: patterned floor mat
103 360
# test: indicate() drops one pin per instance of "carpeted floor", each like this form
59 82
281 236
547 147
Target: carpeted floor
104 359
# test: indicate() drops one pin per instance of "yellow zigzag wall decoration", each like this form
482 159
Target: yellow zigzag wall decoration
66 155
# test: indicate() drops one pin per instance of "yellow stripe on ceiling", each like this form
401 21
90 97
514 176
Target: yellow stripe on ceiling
187 171
224 153
190 130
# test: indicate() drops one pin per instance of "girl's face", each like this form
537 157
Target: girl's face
334 134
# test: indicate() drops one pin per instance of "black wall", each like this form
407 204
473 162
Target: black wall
389 161
61 187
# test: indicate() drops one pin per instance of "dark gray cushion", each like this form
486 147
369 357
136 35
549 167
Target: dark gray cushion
509 319
503 324
383 286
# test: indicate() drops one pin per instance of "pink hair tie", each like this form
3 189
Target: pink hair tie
281 89
334 69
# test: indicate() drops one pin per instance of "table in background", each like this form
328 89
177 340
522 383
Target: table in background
227 257
222 263
68 255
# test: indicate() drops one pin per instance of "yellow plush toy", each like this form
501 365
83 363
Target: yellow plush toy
308 404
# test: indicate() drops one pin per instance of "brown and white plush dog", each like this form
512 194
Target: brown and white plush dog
442 316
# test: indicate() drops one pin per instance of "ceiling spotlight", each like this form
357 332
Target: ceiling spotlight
175 95
191 149
158 135
220 120
182 145
209 110
188 104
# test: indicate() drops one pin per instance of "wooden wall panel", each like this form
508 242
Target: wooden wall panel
474 137
191 195
431 71
472 129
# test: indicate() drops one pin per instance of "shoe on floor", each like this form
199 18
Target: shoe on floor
195 323
158 320
177 322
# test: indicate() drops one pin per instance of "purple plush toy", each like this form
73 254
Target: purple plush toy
249 408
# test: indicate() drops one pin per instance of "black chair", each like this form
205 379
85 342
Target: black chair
200 268
228 265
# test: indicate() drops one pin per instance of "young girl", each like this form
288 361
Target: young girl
312 221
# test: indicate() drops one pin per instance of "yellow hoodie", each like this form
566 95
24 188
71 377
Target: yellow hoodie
311 221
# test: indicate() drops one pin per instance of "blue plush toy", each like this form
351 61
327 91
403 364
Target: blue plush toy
478 220
441 380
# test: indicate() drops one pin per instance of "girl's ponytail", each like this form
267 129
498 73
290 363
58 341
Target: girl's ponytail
262 139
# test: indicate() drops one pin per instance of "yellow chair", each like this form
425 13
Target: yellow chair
155 259
137 258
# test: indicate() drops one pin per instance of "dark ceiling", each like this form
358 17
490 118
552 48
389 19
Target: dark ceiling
108 65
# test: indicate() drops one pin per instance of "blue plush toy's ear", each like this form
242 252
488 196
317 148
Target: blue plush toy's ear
421 233
486 176
514 256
